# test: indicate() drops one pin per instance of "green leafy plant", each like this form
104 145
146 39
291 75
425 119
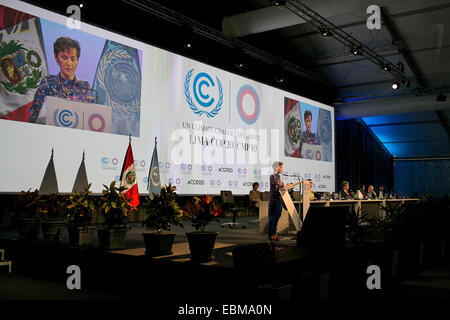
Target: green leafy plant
81 206
202 211
163 210
357 228
398 223
28 204
53 207
115 206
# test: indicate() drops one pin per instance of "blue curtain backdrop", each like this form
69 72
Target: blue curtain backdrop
415 177
360 158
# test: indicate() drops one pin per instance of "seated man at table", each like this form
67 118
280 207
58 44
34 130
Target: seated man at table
371 194
345 193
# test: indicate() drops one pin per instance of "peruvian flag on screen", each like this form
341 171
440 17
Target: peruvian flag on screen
22 62
128 178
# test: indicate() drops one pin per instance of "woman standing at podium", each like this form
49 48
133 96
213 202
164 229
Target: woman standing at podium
65 84
275 199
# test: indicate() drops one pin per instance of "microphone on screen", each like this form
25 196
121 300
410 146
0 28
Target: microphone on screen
78 84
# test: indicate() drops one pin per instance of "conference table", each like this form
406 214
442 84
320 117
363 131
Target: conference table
369 208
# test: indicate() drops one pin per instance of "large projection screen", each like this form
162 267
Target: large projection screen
215 130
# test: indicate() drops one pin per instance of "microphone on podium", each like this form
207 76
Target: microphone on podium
78 85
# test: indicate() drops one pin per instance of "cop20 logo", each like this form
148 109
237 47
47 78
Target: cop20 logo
248 105
204 100
65 118
96 122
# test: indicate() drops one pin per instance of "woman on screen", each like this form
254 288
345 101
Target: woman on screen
65 84
308 136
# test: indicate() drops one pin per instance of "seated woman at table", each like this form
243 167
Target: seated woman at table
311 191
255 196
361 193
381 192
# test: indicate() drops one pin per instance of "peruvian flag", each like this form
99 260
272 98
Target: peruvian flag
23 62
128 178
292 128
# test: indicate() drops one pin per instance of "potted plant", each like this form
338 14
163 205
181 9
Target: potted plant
80 208
26 211
404 229
163 212
115 207
52 214
201 243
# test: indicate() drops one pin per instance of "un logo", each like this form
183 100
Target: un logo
65 118
204 100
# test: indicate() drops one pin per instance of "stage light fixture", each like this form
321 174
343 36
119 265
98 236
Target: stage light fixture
279 79
188 45
279 3
406 83
81 5
385 67
355 51
395 85
325 32
239 65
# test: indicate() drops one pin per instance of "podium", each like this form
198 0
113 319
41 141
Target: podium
74 114
304 204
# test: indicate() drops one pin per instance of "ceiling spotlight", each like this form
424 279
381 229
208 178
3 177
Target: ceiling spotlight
406 83
279 3
188 45
385 67
355 51
81 5
279 79
395 85
325 32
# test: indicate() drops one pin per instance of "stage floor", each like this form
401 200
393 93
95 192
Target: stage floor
227 240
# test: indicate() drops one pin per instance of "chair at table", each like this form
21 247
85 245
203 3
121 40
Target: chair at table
229 205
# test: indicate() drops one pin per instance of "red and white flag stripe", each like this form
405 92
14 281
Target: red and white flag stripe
128 178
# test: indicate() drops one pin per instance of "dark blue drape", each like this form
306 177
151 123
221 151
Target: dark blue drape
360 158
